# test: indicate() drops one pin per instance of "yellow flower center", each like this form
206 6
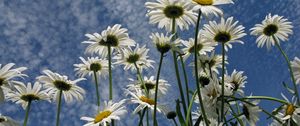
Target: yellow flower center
102 115
290 109
147 100
204 2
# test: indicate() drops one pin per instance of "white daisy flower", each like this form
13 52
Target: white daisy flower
91 65
114 37
27 93
150 85
273 27
251 112
203 47
54 83
208 7
296 69
237 80
138 56
6 76
143 101
7 121
289 114
213 122
207 63
163 42
209 92
111 111
163 12
227 32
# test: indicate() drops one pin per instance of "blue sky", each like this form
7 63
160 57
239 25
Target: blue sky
48 34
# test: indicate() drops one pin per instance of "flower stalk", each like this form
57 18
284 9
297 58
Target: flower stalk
58 108
290 68
196 69
27 113
156 89
97 88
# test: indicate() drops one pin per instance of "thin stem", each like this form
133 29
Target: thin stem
97 90
142 117
190 108
177 71
156 89
185 79
223 77
290 68
27 113
236 116
141 79
186 84
267 98
175 122
110 73
147 116
196 68
58 108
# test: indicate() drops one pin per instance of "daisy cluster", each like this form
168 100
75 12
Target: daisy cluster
218 98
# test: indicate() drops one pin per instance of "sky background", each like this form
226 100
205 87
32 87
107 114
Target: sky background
47 34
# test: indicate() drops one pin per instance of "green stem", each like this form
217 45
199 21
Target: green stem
58 108
185 80
236 116
142 117
267 98
290 68
147 116
223 78
186 84
177 71
156 89
110 73
141 79
97 90
27 113
190 108
175 122
196 68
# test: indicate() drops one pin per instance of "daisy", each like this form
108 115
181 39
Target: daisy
134 58
143 101
164 12
203 47
290 113
7 121
163 43
91 65
208 7
56 83
150 85
237 80
114 37
296 69
210 92
111 111
6 76
272 30
25 94
209 63
225 32
251 112
197 114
